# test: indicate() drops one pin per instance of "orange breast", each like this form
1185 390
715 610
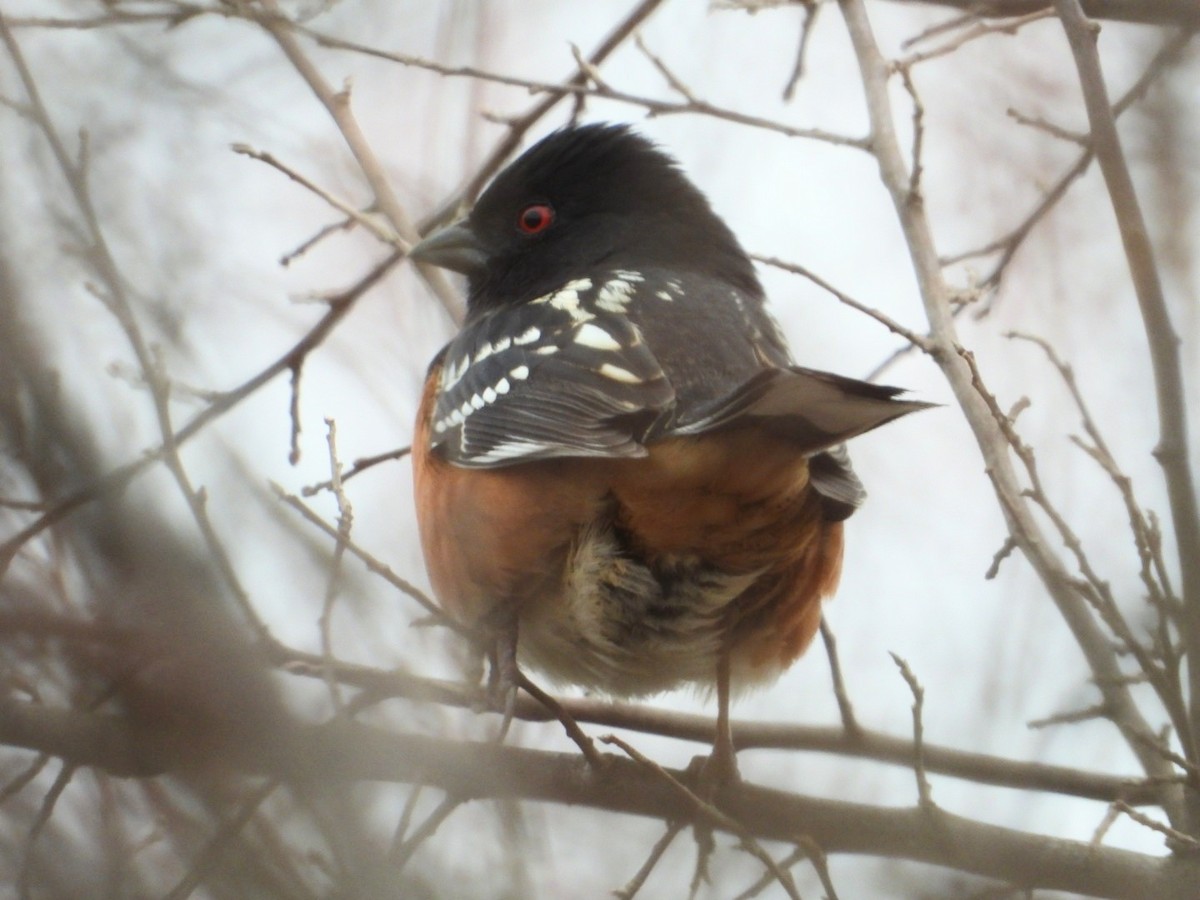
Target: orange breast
736 502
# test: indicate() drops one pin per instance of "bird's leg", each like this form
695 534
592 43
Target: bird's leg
503 674
722 767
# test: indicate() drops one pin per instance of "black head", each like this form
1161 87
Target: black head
584 197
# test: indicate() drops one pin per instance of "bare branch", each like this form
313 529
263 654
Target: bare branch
344 750
924 795
1182 13
652 105
1172 450
936 296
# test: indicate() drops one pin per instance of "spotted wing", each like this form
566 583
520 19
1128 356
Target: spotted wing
539 381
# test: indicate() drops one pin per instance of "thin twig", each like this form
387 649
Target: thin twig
924 795
118 478
210 855
345 523
582 741
1162 342
635 884
360 465
1075 716
812 9
710 814
402 853
917 340
45 810
1176 839
652 105
370 223
373 565
977 30
337 104
845 707
936 297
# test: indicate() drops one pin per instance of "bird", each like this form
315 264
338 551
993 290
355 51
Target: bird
622 478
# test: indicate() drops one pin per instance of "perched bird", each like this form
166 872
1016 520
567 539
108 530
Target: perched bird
621 475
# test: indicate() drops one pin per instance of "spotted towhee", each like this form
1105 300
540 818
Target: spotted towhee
616 459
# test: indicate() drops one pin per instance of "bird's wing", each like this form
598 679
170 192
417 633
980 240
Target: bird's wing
547 379
816 410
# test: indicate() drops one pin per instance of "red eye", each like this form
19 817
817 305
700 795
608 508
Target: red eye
535 218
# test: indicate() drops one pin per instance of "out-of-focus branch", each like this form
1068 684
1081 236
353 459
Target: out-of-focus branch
936 296
862 742
518 126
113 293
337 104
1172 449
652 105
1184 13
344 751
339 306
1010 243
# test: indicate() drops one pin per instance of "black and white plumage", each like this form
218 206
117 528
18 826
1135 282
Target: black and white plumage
635 315
617 456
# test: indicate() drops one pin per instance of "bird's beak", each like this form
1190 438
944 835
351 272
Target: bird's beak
455 247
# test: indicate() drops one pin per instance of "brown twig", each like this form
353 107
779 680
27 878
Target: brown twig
45 811
946 352
845 707
337 104
403 852
373 565
917 340
635 884
1182 13
976 30
1009 244
710 814
345 523
118 478
1162 341
652 105
359 466
866 744
209 856
924 795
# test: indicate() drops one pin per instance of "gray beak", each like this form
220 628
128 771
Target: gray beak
455 247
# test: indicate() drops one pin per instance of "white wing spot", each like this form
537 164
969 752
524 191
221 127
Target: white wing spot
528 336
502 386
566 299
616 373
439 426
597 338
478 402
663 295
453 372
466 408
520 373
614 295
628 275
548 350
489 395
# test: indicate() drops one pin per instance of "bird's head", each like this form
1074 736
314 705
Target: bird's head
584 197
